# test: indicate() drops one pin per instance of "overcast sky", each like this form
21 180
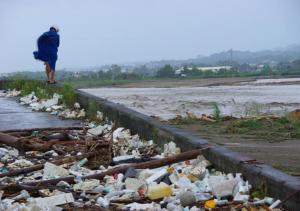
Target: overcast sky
95 32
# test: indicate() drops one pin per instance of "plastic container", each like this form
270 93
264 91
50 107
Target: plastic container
210 204
158 174
275 204
159 191
80 163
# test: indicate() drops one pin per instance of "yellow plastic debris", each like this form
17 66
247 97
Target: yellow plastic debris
159 191
210 204
170 170
192 178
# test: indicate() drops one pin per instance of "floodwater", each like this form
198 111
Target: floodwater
275 80
248 99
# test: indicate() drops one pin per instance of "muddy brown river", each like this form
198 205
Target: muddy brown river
264 96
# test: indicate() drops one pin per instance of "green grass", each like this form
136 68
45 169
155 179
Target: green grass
69 96
88 83
251 124
261 192
179 120
216 112
295 127
43 90
243 126
276 128
253 109
46 91
92 110
288 169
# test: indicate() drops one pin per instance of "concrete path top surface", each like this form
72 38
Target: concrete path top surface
15 116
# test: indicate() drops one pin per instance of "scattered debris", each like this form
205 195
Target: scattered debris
177 180
96 167
53 201
76 105
51 105
12 93
159 191
96 131
52 171
294 115
100 116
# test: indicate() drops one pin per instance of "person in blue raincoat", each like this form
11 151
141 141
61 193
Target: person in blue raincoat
48 44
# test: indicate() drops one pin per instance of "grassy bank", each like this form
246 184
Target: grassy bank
261 128
43 90
271 140
87 83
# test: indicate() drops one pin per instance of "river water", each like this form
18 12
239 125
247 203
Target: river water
265 96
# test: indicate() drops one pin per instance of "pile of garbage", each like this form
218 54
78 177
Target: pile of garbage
52 105
10 93
102 168
98 167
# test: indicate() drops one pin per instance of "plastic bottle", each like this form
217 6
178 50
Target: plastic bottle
80 163
159 191
119 184
160 173
275 204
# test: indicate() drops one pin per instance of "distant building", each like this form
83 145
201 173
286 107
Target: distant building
213 69
76 75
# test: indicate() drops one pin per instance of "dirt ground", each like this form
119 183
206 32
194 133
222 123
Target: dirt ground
273 148
168 83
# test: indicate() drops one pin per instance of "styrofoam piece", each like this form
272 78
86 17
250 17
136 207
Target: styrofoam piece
55 200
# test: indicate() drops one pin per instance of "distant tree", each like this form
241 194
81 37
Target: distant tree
208 73
266 70
166 72
245 67
115 69
142 70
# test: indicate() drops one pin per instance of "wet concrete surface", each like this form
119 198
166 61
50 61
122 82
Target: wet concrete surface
15 116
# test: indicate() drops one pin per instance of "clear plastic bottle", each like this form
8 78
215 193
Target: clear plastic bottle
158 191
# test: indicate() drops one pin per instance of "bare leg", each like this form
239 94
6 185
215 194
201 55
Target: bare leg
52 74
48 70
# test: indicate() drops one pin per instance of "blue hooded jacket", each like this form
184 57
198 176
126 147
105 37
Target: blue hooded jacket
47 44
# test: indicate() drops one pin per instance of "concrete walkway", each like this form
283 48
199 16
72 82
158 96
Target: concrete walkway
15 116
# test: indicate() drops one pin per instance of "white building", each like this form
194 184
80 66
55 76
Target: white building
214 69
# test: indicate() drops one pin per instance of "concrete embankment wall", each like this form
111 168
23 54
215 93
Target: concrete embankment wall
279 184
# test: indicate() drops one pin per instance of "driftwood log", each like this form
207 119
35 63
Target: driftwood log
120 169
42 129
36 144
16 172
26 144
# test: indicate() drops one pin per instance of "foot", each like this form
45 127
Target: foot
52 82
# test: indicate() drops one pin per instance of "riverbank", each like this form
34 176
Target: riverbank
268 141
271 140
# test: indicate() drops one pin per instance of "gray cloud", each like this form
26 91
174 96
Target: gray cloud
95 32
